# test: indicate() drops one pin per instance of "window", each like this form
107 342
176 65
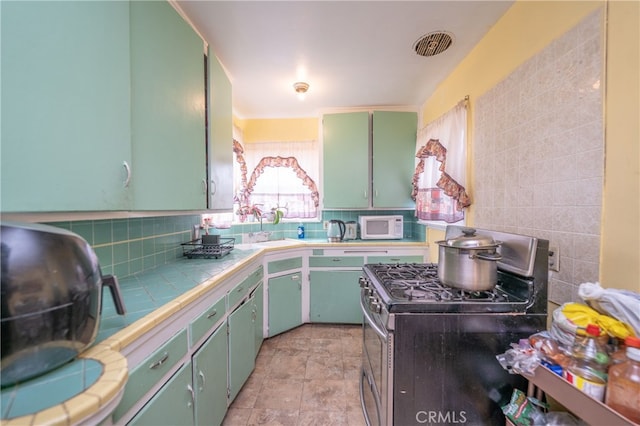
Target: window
280 175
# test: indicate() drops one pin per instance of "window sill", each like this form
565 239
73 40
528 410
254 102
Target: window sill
439 225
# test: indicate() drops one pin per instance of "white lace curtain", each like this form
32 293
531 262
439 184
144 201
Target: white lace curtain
441 159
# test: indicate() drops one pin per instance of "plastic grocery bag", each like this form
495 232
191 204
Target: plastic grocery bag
568 317
623 305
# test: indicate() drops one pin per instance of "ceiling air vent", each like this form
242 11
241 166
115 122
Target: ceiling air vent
433 43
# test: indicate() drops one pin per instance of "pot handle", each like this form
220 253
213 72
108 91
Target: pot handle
486 256
111 281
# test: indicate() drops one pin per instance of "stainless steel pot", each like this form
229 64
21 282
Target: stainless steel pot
51 299
469 262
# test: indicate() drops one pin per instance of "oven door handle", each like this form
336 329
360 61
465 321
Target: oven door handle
379 331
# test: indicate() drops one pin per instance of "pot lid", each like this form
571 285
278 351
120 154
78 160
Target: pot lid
469 239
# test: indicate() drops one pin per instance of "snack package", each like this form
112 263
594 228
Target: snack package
523 410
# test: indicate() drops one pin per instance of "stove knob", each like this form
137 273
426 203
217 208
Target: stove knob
363 282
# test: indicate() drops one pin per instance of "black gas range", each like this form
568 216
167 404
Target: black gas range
429 349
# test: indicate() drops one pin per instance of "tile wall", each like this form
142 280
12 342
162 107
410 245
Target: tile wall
538 153
129 246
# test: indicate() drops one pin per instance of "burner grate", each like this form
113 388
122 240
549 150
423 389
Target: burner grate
419 282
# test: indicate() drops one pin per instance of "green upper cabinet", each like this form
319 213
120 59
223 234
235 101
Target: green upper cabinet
394 147
167 110
366 167
65 106
345 146
220 128
102 107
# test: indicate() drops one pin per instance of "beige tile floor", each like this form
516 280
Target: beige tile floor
305 376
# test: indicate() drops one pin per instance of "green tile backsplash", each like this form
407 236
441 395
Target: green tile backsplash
129 246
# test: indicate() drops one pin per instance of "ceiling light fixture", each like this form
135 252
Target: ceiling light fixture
301 88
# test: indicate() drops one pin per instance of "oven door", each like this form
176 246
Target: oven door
375 386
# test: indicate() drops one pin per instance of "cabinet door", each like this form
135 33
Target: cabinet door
285 303
335 297
210 379
220 130
172 404
167 114
258 315
65 106
394 147
241 350
346 160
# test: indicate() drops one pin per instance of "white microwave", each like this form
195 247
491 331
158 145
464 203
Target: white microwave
381 227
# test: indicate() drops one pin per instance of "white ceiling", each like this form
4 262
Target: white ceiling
353 54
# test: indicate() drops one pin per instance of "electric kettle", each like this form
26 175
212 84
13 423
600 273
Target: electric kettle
335 231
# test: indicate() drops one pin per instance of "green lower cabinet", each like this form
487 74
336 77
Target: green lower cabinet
210 379
258 316
172 404
335 297
150 371
285 303
241 347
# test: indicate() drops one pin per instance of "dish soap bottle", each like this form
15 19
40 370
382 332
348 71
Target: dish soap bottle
587 369
300 231
623 389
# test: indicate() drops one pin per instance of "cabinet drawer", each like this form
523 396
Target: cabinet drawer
202 324
236 294
150 371
336 261
395 259
284 265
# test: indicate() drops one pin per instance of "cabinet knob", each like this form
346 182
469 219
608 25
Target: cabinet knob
127 169
159 362
201 375
193 396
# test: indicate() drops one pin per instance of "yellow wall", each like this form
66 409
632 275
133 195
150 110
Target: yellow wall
620 248
522 32
278 130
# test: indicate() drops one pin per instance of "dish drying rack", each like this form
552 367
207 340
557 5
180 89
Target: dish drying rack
196 249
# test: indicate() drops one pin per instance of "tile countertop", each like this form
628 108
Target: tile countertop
90 387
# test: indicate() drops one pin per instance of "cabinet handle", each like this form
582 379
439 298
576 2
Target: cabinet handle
204 186
127 168
213 187
375 193
212 314
201 375
193 396
295 277
240 289
395 259
159 362
365 194
336 259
